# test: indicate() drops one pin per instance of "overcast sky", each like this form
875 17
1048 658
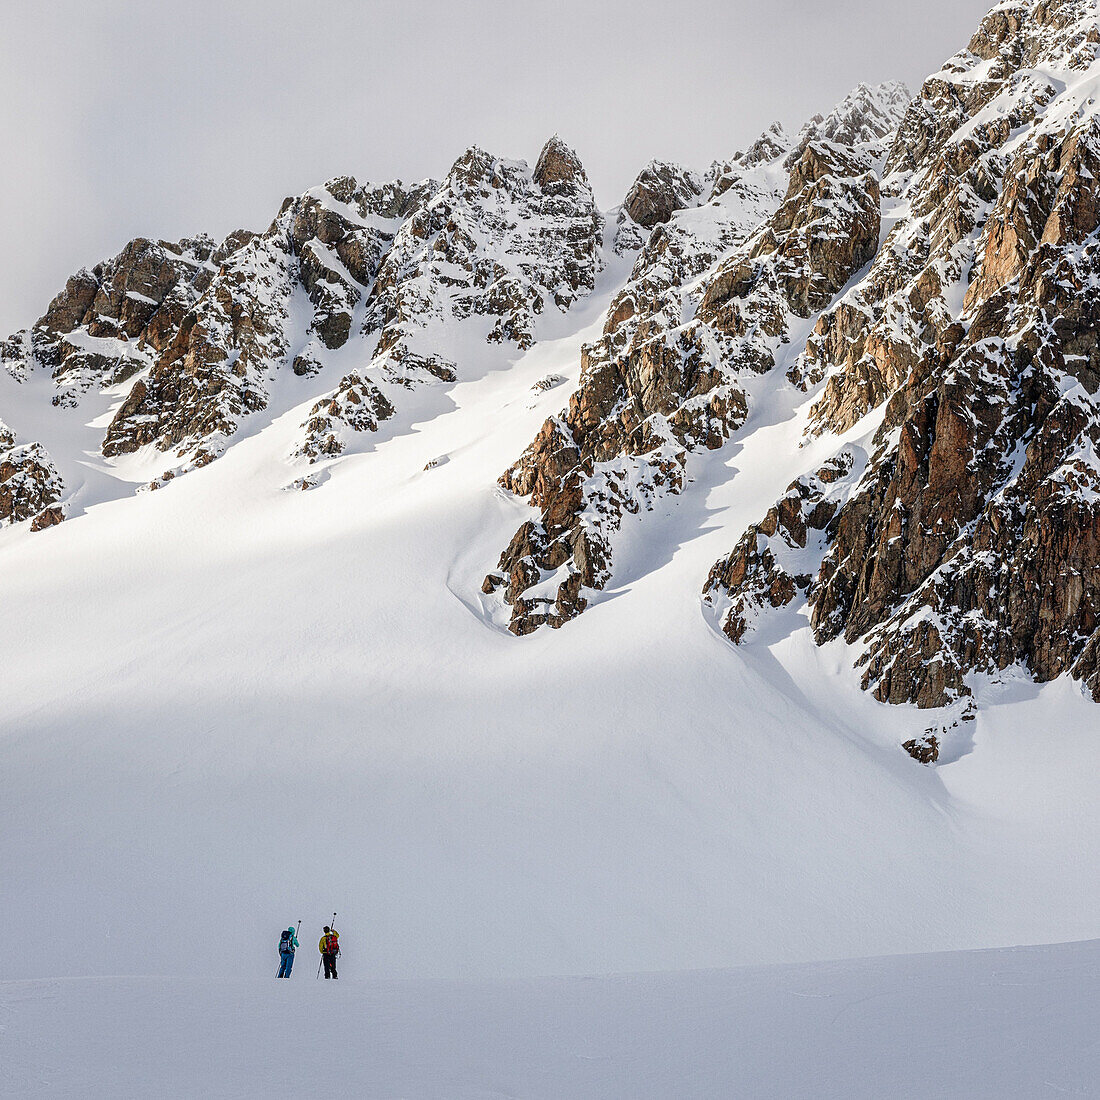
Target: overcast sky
121 119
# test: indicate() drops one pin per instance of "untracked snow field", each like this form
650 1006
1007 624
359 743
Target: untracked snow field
985 1024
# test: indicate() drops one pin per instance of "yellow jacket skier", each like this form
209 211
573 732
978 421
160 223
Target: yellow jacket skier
329 946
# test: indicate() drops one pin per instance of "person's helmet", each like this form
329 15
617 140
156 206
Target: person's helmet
327 929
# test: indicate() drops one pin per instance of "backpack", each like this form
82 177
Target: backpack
285 942
332 943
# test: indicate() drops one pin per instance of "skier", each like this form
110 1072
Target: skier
329 946
288 941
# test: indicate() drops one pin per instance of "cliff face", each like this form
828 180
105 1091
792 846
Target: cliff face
969 543
489 250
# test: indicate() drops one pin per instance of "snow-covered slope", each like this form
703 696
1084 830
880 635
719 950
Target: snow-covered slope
981 1025
225 703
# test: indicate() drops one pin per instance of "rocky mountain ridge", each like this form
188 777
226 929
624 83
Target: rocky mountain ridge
710 300
911 279
202 331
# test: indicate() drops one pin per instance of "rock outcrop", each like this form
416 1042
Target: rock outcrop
777 558
712 295
110 321
420 276
357 406
325 247
659 190
200 332
946 169
485 253
922 274
29 484
924 749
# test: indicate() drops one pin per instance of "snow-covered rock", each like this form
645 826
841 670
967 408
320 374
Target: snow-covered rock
477 263
711 298
29 483
109 322
278 301
972 541
417 277
658 191
495 243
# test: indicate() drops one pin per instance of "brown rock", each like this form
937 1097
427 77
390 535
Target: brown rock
48 517
659 191
924 749
557 164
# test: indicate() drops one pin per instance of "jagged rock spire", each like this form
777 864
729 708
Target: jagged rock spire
558 163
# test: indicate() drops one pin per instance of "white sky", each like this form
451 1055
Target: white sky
121 118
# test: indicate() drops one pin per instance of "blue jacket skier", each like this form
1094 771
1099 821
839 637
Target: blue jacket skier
288 941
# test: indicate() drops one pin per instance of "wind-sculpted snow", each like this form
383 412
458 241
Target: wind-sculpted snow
710 303
971 543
